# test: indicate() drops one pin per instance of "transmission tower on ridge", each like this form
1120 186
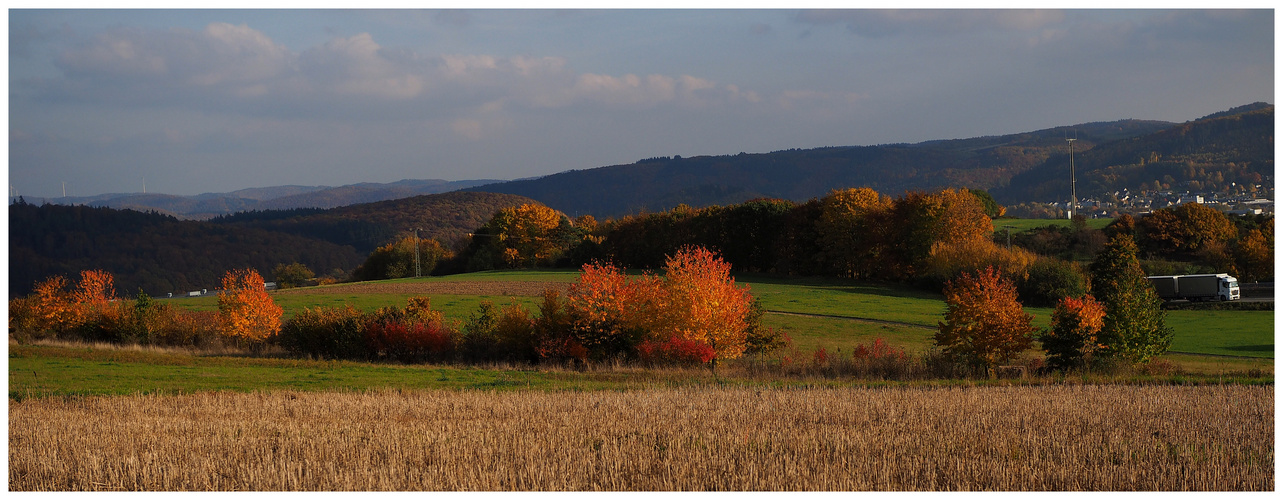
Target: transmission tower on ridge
1073 184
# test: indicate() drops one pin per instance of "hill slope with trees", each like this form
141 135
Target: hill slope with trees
1228 152
657 184
444 217
151 251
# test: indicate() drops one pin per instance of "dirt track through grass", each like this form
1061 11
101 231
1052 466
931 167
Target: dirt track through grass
977 438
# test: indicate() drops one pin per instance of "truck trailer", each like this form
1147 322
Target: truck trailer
1196 287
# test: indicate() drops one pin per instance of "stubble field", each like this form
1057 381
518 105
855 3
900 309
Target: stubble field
705 438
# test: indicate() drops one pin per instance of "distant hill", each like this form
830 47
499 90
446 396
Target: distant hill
445 217
209 205
162 254
1212 154
151 251
366 193
660 183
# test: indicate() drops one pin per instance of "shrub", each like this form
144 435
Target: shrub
553 338
675 351
480 341
410 342
515 334
292 275
759 339
326 332
881 360
1051 279
172 327
949 259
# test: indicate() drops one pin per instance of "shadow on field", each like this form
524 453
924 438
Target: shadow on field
1252 348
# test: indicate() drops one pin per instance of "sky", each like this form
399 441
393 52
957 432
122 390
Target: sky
196 101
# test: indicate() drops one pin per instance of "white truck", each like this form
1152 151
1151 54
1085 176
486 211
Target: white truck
1196 287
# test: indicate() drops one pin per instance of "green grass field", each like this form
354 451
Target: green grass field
905 317
1021 225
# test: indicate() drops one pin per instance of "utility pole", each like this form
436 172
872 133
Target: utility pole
1073 180
416 252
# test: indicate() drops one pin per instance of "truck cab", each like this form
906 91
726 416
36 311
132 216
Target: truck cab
1229 288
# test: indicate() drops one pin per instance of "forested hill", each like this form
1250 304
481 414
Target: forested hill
660 183
1219 153
151 251
444 217
208 205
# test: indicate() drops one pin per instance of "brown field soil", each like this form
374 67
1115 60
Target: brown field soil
959 438
514 288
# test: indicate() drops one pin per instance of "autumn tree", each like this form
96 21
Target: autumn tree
851 230
1134 327
527 235
610 313
396 259
695 303
1072 339
1185 230
292 275
1254 254
51 307
246 312
703 303
922 220
984 322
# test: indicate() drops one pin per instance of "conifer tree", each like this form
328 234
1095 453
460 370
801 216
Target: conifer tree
1135 325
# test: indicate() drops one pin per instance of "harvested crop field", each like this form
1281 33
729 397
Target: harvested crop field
512 288
974 438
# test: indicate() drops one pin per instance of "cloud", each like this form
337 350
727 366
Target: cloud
921 22
235 68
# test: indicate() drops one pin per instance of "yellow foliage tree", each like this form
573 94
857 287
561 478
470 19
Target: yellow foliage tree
246 311
528 234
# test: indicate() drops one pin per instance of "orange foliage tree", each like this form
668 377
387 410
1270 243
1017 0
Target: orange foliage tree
984 322
93 293
610 312
696 303
50 307
1254 253
1072 339
246 311
703 304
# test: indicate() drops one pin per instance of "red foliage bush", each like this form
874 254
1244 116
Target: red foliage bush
880 350
675 350
410 342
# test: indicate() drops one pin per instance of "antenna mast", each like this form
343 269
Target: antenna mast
1073 183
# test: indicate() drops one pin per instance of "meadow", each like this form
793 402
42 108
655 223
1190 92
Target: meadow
817 312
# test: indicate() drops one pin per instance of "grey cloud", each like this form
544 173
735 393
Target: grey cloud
236 68
915 22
